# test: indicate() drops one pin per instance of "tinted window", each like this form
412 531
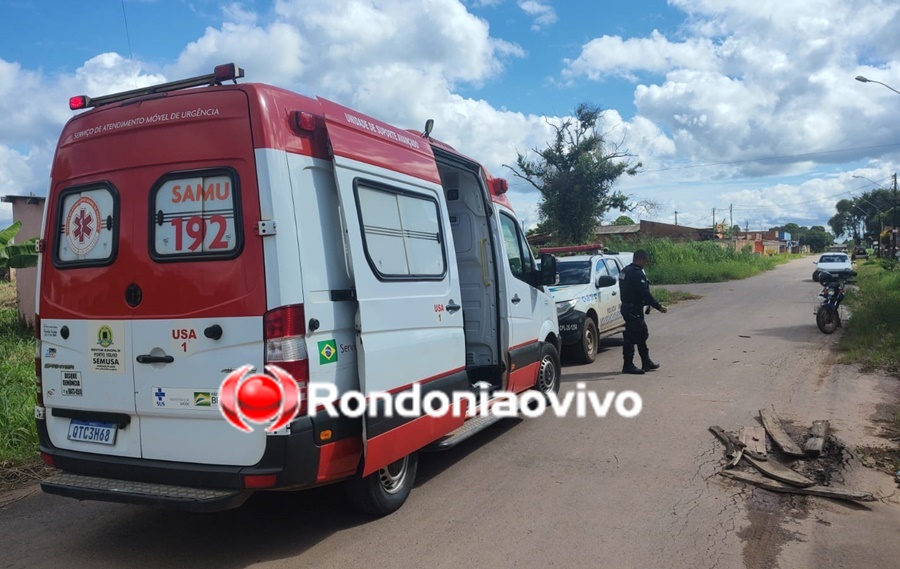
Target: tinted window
401 232
195 215
518 253
613 268
88 226
573 272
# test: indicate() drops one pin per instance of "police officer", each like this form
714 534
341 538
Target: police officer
635 290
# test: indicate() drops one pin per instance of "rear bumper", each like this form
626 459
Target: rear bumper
293 459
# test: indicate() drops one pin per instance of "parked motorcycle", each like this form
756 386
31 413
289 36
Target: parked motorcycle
828 313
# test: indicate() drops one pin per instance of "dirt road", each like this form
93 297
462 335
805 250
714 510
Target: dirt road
564 492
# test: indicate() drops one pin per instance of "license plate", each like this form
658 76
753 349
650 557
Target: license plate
92 432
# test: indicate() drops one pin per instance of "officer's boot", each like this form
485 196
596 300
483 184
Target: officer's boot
628 356
646 363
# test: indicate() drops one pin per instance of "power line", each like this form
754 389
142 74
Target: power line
128 38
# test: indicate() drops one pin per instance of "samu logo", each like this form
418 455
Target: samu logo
259 398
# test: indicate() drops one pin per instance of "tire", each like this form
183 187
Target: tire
549 372
587 352
383 492
815 276
827 319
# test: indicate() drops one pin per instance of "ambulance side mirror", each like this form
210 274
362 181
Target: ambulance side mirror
548 270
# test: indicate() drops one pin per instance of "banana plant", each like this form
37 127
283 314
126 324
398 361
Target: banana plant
16 255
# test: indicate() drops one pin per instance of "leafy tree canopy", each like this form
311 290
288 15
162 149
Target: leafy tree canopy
575 175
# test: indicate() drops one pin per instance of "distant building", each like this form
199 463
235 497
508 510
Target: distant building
29 210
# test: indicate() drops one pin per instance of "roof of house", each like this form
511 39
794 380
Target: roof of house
617 229
28 199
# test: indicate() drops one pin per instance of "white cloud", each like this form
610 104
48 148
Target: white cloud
543 14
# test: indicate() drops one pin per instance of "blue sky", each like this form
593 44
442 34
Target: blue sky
728 104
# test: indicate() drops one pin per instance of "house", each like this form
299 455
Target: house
29 210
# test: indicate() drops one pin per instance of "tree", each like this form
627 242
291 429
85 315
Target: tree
623 220
16 255
575 174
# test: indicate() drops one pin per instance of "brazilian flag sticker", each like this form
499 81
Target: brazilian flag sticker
202 399
327 352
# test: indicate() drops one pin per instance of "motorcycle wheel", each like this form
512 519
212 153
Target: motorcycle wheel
827 319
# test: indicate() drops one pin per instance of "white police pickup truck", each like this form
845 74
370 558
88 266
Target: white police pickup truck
588 302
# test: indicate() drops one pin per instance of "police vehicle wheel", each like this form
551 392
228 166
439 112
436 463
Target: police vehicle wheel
383 492
588 352
550 371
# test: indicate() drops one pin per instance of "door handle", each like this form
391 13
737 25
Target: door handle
452 307
614 293
516 299
148 359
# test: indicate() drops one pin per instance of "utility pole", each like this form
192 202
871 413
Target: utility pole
894 219
731 223
714 223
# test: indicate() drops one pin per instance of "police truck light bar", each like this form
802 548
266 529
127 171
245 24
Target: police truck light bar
226 72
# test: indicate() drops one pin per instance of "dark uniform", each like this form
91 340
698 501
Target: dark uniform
635 290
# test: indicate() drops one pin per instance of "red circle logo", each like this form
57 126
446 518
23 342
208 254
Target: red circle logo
259 398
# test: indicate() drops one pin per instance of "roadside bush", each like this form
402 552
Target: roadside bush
698 261
873 336
18 437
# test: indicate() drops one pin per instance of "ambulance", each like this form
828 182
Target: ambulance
201 226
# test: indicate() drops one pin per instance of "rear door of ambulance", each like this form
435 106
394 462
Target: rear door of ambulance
151 284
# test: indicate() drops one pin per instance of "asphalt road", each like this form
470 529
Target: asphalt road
563 492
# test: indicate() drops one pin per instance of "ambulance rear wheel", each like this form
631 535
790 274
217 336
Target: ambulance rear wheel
383 492
588 347
550 371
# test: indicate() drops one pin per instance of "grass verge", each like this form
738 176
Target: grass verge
873 337
669 297
872 340
699 261
18 437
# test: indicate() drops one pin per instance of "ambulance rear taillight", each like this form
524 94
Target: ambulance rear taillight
285 334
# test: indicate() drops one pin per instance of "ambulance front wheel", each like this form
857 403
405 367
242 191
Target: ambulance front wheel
383 492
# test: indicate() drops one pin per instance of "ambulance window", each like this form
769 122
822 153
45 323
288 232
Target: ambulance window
195 215
88 222
401 233
518 253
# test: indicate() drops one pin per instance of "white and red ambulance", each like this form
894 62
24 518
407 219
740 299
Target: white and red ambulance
192 228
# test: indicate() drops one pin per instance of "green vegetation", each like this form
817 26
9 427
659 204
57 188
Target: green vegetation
873 336
668 297
699 261
18 438
575 173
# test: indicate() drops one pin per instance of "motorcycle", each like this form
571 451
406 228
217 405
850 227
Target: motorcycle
828 313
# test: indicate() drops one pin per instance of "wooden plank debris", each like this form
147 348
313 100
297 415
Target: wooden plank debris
733 445
780 472
730 446
775 486
776 430
816 441
755 439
